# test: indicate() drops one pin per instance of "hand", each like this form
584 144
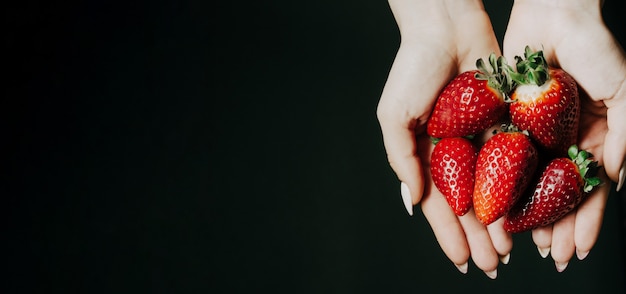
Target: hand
440 39
573 37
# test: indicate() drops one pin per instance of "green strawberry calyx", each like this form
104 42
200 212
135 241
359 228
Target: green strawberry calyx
509 127
587 167
436 140
531 70
496 73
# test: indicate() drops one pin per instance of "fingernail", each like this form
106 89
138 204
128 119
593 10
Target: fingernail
543 251
622 175
581 254
462 268
560 266
492 274
406 198
505 258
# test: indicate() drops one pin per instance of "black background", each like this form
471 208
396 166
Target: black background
196 147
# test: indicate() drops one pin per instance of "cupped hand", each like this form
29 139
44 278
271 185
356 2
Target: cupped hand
573 37
440 39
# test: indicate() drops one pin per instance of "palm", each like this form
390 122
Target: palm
593 127
428 58
579 44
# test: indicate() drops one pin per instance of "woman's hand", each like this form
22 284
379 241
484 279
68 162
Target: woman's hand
573 37
440 39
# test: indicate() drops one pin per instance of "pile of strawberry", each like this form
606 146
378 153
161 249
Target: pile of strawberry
531 171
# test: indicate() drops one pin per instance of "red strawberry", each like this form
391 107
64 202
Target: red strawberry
503 170
452 167
472 102
563 185
546 103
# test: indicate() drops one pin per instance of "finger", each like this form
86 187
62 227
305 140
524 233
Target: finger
518 35
479 42
542 237
404 106
614 154
401 149
502 240
607 85
481 247
447 229
563 245
589 217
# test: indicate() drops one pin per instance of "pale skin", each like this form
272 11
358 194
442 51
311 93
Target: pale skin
576 39
441 39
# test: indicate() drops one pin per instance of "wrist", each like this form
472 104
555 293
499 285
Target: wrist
412 16
573 8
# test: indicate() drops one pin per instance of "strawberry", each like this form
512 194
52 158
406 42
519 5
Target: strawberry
452 167
472 102
545 103
503 167
563 185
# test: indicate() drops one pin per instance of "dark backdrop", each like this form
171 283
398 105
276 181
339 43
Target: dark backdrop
202 147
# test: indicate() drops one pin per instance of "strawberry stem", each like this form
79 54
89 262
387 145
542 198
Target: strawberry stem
587 167
532 69
496 73
512 128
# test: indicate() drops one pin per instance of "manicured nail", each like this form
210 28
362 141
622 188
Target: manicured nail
543 251
622 176
560 266
505 258
406 198
462 268
492 274
581 254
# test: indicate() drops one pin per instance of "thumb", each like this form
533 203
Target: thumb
402 112
614 152
402 155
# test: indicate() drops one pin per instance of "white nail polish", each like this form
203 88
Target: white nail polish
462 267
543 251
622 176
505 258
560 266
406 198
581 255
492 274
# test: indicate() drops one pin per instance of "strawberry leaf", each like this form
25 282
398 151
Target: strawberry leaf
590 183
435 140
583 171
572 151
469 137
532 69
581 157
587 167
497 74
